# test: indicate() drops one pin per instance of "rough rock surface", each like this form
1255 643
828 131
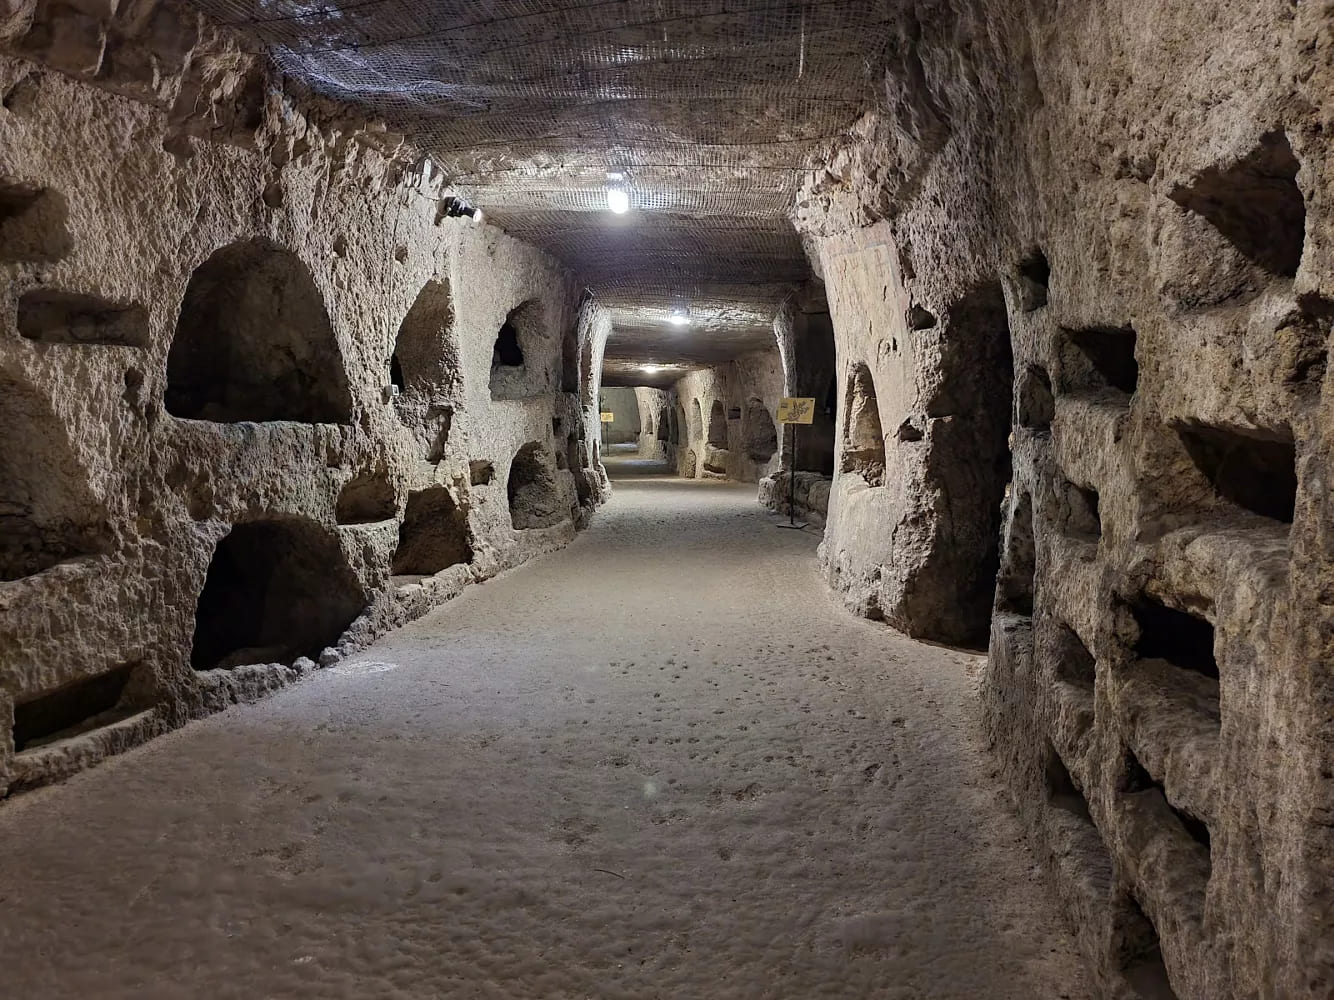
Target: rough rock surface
1151 197
187 510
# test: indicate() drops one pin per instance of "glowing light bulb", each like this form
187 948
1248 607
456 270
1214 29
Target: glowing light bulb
679 317
618 200
649 369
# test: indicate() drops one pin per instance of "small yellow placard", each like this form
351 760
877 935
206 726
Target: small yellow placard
796 410
607 416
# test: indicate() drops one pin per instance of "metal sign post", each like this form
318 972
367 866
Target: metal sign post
793 411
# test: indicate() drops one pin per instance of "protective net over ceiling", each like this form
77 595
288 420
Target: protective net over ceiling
708 107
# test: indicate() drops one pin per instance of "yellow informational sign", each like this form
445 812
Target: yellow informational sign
607 416
796 410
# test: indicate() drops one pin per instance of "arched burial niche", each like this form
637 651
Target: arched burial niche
425 367
254 342
760 436
664 423
717 425
433 536
276 589
425 362
534 497
695 430
863 440
517 371
47 512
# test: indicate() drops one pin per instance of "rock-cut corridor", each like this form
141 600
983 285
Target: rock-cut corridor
660 762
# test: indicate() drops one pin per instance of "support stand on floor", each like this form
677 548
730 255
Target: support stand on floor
792 521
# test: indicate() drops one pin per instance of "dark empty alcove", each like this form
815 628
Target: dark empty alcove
368 497
1138 953
75 708
56 317
759 434
33 224
433 536
276 590
1035 406
515 373
920 318
1255 204
1178 637
254 342
1099 358
534 498
480 472
1034 277
863 440
664 424
47 512
1254 472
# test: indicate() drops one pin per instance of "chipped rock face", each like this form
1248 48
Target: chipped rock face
1091 321
256 392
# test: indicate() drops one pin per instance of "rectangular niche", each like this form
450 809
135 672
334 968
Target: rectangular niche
1099 359
1136 780
1078 511
1182 639
56 317
1062 792
1251 470
76 708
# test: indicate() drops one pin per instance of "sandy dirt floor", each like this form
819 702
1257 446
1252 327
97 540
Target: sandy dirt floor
659 763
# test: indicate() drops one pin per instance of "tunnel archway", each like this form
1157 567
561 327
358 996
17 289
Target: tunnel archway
253 342
276 589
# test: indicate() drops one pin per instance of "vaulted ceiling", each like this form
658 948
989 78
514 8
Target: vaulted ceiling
708 109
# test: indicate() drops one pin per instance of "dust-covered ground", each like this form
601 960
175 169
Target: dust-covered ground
659 763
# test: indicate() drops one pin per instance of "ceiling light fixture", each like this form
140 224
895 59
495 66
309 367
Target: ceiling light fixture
679 317
649 369
618 198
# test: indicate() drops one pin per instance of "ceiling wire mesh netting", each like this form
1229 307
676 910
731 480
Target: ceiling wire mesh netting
709 109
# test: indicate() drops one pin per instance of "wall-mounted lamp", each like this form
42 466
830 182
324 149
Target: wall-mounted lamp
679 317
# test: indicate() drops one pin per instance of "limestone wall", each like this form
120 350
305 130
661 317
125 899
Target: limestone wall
1125 206
259 401
729 413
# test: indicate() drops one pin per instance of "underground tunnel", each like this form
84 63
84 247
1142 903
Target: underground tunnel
397 405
